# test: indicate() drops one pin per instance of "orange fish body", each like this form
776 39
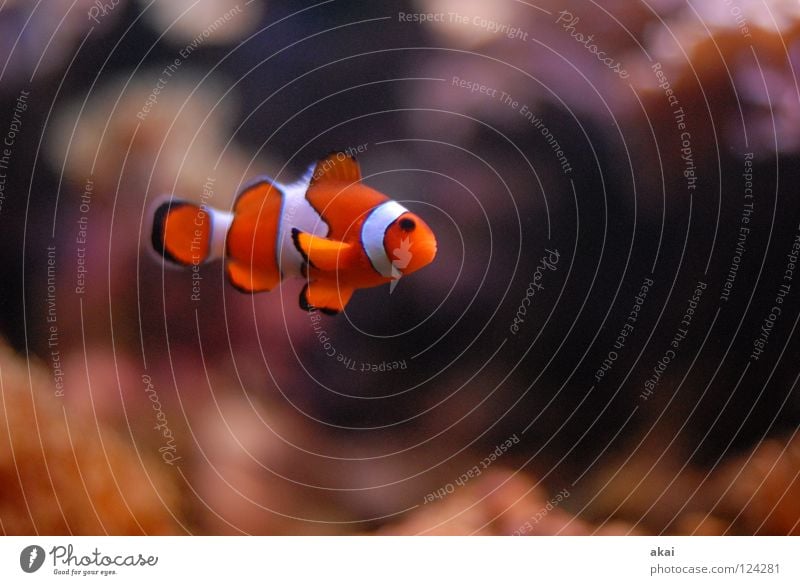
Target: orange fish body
328 227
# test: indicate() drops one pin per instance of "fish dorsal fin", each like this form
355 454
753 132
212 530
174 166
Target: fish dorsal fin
321 253
337 166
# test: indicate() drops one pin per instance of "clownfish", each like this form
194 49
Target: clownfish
328 228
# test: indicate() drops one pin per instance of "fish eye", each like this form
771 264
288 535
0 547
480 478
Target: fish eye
407 225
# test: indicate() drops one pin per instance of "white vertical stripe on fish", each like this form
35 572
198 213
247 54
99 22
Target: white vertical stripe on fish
372 234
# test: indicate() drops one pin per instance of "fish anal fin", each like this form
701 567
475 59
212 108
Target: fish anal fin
337 166
249 280
321 253
325 295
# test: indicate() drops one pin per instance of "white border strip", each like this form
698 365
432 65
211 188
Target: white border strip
373 232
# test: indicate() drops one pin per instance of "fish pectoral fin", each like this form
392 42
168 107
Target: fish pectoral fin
337 166
326 295
248 280
321 253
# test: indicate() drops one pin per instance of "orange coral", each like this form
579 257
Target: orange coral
500 502
64 473
762 490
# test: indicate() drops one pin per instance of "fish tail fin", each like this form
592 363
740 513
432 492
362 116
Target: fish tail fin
189 234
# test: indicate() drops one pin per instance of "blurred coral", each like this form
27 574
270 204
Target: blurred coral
40 37
250 477
737 59
456 23
500 502
760 491
754 493
65 473
131 143
458 115
648 488
217 22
